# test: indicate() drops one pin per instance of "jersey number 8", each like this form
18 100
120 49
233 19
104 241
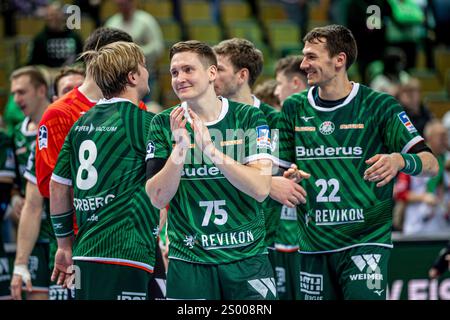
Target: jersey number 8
86 164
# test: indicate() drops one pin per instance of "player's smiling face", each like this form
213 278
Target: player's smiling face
317 63
226 83
190 77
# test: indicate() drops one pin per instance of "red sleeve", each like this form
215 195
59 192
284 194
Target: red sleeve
52 131
402 187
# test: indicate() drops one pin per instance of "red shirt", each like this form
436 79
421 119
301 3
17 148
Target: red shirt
53 129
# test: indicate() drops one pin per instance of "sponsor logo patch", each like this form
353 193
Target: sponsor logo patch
263 137
303 129
406 122
351 126
43 137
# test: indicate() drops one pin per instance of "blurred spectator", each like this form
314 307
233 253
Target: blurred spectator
142 26
55 46
405 28
29 7
12 115
393 74
92 8
426 211
266 93
441 13
371 42
409 96
67 79
298 12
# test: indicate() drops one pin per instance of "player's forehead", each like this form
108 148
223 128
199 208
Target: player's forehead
185 58
315 47
71 80
20 82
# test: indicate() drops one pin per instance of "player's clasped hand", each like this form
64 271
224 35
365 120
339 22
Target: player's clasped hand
201 133
295 174
384 167
178 127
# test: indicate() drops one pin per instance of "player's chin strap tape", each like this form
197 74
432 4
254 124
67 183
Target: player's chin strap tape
63 224
22 271
413 164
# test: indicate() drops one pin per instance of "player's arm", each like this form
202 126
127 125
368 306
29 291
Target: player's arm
164 176
419 161
61 212
28 232
253 179
52 130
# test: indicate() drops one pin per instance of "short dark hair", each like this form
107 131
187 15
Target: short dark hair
65 72
290 66
242 54
103 36
338 39
205 52
37 78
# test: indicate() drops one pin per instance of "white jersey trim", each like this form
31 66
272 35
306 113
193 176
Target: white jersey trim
390 246
24 128
281 163
223 112
411 143
61 180
30 177
349 98
7 174
113 100
256 102
115 260
256 157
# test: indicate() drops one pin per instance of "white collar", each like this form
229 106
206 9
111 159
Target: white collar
223 112
256 102
349 98
112 100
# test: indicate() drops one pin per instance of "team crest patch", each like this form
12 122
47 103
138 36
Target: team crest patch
326 128
43 137
263 137
150 150
406 122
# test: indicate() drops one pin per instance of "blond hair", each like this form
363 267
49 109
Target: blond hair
110 65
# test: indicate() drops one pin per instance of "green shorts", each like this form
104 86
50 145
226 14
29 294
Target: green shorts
286 267
38 266
5 277
102 281
359 273
248 279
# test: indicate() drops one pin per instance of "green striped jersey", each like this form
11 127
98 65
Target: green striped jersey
103 157
46 231
210 220
23 139
332 144
270 207
7 162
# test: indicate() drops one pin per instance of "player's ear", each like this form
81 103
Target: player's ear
132 77
341 60
212 72
243 75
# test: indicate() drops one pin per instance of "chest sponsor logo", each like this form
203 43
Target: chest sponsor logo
91 204
311 285
43 137
351 126
326 128
263 137
328 152
203 171
91 128
406 122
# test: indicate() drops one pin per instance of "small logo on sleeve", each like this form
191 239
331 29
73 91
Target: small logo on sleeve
263 137
150 150
406 122
43 137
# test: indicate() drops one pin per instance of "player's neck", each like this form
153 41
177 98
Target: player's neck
336 89
131 95
90 89
243 95
208 107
